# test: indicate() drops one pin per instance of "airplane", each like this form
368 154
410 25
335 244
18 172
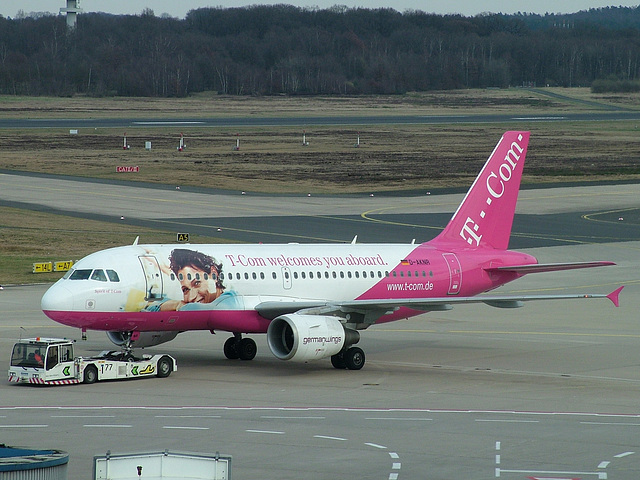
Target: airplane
311 300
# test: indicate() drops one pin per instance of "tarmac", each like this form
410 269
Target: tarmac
549 390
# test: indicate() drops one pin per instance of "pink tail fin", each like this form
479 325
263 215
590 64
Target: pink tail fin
485 216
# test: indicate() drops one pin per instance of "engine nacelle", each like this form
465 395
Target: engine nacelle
303 338
141 339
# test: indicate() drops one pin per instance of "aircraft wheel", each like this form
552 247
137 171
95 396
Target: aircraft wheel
338 362
165 367
90 374
231 349
354 358
247 349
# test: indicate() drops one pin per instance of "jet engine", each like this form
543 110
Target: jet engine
303 338
140 339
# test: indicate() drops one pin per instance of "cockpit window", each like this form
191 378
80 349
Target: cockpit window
99 276
80 275
113 275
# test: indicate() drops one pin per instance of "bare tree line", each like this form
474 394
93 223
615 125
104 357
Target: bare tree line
270 50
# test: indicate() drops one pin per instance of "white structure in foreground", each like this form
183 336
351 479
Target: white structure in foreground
162 466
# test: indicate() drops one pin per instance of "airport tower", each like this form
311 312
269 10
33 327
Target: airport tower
72 10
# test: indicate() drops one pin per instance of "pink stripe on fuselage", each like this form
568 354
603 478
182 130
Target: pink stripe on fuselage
245 321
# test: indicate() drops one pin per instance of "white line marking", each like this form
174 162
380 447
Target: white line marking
539 118
330 438
604 464
498 444
24 426
274 417
168 123
396 466
396 419
265 431
393 476
82 416
497 459
320 409
506 421
612 423
375 445
107 426
625 454
394 455
185 428
188 416
551 472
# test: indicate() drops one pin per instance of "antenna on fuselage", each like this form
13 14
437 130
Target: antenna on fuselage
353 242
135 242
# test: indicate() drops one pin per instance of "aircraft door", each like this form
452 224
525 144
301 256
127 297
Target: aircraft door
455 273
152 276
286 278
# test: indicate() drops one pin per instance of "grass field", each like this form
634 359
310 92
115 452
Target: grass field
274 160
390 157
29 237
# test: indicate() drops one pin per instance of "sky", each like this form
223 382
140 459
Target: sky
179 8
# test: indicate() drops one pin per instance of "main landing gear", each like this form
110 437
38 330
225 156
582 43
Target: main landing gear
351 359
238 347
235 347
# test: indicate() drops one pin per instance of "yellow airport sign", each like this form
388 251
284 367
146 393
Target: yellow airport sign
43 267
64 266
48 267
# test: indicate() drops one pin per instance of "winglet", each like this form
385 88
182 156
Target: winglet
613 296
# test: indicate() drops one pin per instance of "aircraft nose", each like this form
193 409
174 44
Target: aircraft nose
56 299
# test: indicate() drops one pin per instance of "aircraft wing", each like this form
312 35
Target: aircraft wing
373 309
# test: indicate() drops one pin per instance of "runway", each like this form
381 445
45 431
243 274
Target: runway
249 121
549 390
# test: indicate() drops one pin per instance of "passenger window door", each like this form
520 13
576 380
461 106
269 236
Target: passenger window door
152 277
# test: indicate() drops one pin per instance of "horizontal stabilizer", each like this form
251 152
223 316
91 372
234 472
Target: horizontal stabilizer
547 267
